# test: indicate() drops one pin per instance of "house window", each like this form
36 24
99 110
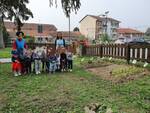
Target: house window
39 39
40 29
46 39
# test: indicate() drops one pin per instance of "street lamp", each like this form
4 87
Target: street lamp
105 15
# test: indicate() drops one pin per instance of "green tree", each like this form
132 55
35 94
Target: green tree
6 36
68 5
29 39
15 10
1 34
81 37
105 38
76 29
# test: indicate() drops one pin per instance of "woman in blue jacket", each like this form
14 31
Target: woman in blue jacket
59 42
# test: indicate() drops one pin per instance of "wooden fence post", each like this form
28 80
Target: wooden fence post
101 51
148 55
83 50
128 53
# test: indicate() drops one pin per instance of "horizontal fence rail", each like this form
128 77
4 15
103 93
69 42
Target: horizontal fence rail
48 45
121 51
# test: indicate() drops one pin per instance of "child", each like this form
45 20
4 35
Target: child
48 53
44 59
37 60
28 61
63 60
57 62
32 59
16 65
69 59
52 63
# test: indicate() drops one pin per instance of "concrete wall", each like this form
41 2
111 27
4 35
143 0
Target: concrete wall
88 27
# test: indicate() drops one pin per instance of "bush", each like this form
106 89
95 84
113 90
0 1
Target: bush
105 38
29 39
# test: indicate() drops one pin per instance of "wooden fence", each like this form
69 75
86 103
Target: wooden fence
31 45
48 45
120 51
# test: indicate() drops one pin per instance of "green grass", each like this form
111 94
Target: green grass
125 71
69 93
5 53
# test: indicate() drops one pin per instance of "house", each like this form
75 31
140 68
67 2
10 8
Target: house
126 35
147 32
41 32
94 26
129 33
74 36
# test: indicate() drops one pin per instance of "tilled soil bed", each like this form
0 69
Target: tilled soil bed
109 72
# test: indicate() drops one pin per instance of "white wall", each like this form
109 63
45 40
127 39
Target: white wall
88 27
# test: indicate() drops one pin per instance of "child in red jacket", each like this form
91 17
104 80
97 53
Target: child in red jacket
16 65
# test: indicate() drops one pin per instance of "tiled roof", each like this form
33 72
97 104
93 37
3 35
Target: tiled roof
65 34
30 29
128 31
100 18
30 26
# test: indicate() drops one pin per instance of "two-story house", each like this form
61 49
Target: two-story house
94 26
41 32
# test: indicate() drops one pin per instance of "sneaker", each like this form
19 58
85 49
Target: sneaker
36 73
70 70
39 72
15 74
19 73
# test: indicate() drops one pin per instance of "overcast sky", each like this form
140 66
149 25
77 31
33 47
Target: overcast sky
131 13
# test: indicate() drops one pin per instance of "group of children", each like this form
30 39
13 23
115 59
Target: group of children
42 59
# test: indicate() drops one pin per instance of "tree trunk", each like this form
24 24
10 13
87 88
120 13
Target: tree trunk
1 34
18 28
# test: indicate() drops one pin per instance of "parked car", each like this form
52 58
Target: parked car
122 40
138 41
133 40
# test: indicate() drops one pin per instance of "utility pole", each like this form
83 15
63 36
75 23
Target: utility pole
69 31
69 24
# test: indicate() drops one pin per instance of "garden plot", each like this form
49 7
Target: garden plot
94 64
119 73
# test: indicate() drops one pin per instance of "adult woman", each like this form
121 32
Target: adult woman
59 42
19 45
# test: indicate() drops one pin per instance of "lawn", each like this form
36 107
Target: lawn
5 53
70 93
